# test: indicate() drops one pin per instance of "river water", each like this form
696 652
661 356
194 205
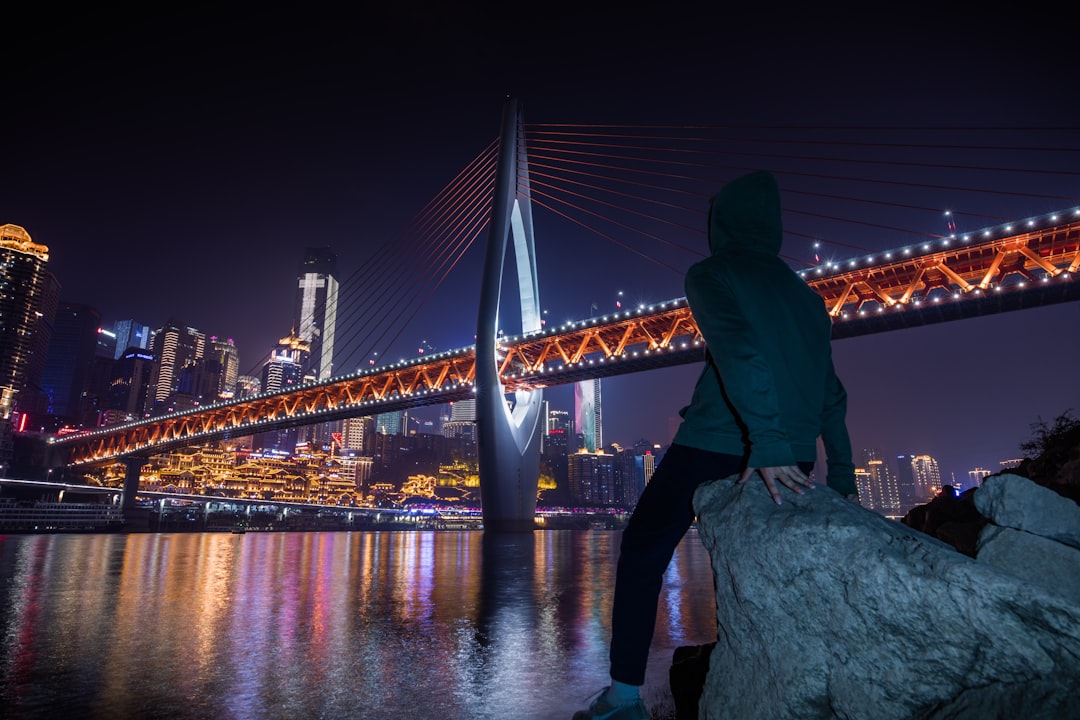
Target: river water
365 625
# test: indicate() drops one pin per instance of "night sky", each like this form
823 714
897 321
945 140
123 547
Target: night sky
177 166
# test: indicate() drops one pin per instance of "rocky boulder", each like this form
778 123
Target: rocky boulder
827 610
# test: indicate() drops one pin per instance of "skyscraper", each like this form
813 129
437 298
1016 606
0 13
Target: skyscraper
315 314
130 334
927 478
33 399
226 356
591 479
129 385
354 433
588 417
72 348
175 345
905 482
22 276
285 368
462 421
883 493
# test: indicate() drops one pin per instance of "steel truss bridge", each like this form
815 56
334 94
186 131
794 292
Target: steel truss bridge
1003 268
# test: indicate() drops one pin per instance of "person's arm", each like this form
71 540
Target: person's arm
834 436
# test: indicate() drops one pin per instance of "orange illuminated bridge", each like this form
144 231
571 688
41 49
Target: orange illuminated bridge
999 269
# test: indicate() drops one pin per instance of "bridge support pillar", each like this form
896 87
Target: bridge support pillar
508 429
133 469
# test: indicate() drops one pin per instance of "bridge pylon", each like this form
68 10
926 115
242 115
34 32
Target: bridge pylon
508 428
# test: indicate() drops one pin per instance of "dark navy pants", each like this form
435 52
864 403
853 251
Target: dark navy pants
660 520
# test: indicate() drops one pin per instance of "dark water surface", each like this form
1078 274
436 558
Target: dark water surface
324 625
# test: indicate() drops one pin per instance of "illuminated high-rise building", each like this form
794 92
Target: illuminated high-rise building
591 479
285 368
247 385
558 433
355 431
228 360
391 423
927 477
130 334
22 278
884 492
588 414
174 346
33 400
315 315
462 420
864 483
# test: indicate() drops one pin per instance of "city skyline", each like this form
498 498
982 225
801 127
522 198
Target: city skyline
165 171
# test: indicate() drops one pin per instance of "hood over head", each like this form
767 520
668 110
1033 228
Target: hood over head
745 215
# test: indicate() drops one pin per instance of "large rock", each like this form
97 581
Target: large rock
1016 502
827 610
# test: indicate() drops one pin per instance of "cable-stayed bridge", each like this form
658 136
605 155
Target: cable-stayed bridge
1001 267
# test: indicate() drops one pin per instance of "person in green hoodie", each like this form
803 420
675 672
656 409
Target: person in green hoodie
767 393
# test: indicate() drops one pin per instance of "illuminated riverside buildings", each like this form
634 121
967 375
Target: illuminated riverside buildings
22 281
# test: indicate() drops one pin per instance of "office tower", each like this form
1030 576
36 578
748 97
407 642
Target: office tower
227 358
627 478
22 280
315 313
129 385
591 479
355 431
33 400
247 385
462 420
588 418
646 465
174 346
130 334
864 483
67 365
884 491
558 434
106 344
927 478
391 423
285 368
905 482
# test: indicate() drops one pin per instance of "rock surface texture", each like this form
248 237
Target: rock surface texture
827 610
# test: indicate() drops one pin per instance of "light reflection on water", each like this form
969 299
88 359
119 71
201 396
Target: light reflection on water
329 625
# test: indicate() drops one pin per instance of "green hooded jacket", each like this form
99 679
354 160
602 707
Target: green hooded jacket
769 389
